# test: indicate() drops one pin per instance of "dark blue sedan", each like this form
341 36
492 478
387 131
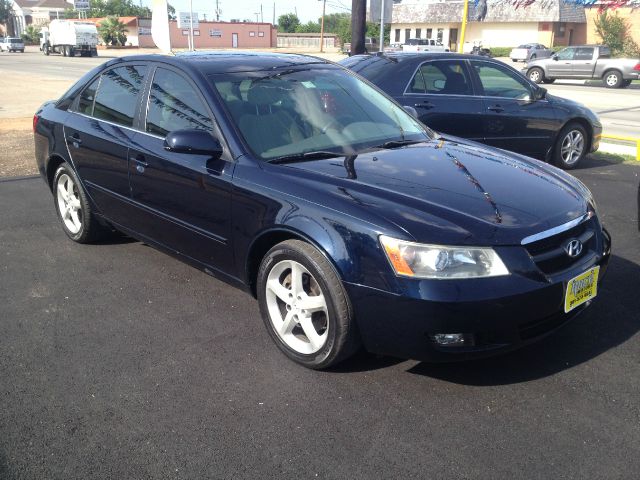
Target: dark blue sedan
486 101
351 222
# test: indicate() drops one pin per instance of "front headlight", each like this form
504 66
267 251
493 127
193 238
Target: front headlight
417 260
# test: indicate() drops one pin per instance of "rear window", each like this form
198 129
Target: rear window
14 40
117 95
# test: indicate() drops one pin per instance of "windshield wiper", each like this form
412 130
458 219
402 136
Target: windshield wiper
398 143
301 157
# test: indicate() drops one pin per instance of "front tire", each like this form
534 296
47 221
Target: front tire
73 207
548 80
536 75
571 146
612 79
305 307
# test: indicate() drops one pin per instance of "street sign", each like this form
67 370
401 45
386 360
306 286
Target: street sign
81 5
373 12
184 20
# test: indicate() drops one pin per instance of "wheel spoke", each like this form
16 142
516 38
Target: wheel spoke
62 191
279 290
315 340
75 219
74 203
296 278
288 324
313 304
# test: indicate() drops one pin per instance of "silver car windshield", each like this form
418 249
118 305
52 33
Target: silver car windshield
295 111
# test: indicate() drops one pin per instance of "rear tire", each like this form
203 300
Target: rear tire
305 307
73 208
548 80
626 83
571 146
612 79
536 75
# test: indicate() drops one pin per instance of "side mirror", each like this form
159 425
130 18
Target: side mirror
554 57
411 111
539 94
193 141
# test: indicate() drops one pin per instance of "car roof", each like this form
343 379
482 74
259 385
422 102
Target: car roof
421 56
212 62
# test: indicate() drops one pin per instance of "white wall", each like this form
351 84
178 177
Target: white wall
423 31
502 34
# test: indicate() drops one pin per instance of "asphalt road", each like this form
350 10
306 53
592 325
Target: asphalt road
118 361
619 110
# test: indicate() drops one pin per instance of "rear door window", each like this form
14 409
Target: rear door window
441 77
583 53
88 95
117 96
174 105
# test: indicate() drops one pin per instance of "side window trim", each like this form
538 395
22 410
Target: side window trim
76 101
465 66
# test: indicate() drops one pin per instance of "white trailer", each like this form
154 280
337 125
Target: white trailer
69 37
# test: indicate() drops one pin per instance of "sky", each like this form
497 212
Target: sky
246 9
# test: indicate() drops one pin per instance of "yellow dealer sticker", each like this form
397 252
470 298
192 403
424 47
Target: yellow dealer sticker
581 289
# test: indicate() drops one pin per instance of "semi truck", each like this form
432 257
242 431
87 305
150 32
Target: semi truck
69 38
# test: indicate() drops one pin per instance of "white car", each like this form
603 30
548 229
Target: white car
529 52
423 45
12 44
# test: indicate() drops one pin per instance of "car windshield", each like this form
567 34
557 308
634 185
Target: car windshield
313 109
14 40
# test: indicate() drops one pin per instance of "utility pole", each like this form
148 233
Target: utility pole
463 30
274 13
191 45
261 15
358 26
324 4
217 11
381 49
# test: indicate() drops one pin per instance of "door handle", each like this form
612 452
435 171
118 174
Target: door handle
427 105
75 140
496 108
140 162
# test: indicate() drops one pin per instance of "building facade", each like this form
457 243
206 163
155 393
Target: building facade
35 12
225 35
631 15
551 23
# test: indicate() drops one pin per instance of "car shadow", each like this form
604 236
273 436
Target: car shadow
600 159
115 238
608 323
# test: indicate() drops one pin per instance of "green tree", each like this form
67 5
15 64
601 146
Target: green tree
112 31
5 12
373 30
288 22
31 35
118 8
614 31
309 27
340 24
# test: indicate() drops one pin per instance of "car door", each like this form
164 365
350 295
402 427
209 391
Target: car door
99 131
563 63
583 62
513 119
441 91
183 201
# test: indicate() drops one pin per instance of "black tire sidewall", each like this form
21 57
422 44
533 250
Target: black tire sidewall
558 146
323 275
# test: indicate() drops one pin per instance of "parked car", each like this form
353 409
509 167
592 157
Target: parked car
371 45
486 101
529 52
423 45
585 62
12 44
349 220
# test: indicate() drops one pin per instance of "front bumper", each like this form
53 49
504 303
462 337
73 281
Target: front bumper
597 136
404 325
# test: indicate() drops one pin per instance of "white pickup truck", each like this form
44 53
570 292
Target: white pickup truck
423 45
69 37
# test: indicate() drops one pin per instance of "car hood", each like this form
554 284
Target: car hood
451 191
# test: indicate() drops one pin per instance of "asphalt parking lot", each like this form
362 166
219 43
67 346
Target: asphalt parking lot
118 361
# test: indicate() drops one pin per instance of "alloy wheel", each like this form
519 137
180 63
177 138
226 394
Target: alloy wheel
69 205
612 79
534 76
572 147
297 307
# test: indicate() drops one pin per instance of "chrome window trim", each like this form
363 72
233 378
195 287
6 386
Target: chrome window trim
556 230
